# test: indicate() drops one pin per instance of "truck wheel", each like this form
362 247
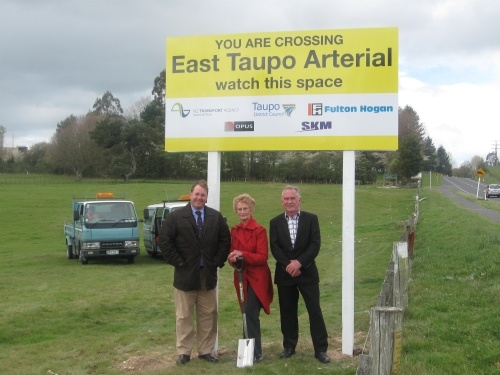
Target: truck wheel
130 260
76 250
82 259
69 251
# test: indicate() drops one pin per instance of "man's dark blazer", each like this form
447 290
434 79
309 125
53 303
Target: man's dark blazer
305 250
182 247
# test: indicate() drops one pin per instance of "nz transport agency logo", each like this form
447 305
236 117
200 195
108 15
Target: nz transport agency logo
239 126
308 126
177 107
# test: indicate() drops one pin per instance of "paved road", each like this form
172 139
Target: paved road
469 186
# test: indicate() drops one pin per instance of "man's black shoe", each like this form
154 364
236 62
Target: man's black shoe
208 357
183 358
322 357
287 353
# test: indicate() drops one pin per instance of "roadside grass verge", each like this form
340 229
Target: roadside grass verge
452 324
490 203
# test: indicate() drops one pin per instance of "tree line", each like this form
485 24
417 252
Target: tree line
109 142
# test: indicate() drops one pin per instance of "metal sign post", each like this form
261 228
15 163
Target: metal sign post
479 173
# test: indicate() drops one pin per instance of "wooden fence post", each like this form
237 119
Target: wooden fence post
386 320
385 297
365 365
417 208
400 288
386 327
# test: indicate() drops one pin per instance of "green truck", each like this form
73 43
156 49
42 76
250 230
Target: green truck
103 227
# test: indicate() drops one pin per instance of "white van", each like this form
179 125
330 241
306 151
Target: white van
154 215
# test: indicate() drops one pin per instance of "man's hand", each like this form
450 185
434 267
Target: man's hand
293 268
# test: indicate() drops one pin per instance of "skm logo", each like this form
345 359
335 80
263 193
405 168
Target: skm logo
308 126
239 126
177 107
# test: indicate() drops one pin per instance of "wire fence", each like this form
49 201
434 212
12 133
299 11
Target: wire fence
6 179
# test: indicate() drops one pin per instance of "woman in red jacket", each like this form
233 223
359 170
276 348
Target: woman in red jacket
249 240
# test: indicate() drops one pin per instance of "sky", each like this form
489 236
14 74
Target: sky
58 56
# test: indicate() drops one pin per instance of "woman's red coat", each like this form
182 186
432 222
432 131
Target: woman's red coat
251 240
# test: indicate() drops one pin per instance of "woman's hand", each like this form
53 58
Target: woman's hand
233 255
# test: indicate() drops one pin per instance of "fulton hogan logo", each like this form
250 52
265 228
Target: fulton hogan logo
239 126
308 126
177 107
315 109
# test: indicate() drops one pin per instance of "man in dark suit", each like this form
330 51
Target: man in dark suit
195 240
295 240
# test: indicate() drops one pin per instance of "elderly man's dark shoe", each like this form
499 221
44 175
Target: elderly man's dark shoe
258 359
287 353
183 358
208 357
322 357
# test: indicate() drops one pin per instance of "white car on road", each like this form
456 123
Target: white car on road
492 190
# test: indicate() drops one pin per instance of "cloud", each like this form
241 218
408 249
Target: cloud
57 57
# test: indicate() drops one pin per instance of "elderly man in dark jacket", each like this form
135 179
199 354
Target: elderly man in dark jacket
195 240
295 241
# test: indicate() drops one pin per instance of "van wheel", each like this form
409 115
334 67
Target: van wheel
155 252
69 251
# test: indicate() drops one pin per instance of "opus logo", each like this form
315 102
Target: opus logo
177 107
315 109
239 126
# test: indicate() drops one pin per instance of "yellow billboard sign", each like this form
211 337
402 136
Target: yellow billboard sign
321 90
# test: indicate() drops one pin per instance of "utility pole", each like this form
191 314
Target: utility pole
495 147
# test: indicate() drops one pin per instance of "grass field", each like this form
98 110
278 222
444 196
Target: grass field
61 317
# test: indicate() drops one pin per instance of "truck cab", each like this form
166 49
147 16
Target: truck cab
154 215
102 227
